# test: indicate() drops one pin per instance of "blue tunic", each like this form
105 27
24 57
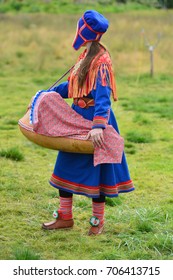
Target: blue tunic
75 173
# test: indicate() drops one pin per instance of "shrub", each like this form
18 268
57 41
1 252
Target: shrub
12 153
168 4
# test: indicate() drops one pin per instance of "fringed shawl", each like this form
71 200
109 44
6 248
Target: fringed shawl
101 66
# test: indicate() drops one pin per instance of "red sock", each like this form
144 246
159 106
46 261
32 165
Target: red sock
98 210
66 207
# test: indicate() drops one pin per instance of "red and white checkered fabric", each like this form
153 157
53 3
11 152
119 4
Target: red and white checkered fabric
55 118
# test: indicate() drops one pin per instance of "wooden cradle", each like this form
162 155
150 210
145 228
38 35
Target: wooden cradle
64 144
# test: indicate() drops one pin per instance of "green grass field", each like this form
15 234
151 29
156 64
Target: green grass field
35 50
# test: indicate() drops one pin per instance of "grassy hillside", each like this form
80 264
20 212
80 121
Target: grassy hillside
35 50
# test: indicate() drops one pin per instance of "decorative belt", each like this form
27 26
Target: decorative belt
83 102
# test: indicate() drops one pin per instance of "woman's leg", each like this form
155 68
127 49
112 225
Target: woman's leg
100 199
66 204
64 216
98 209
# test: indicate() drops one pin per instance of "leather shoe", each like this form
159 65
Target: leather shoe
96 230
58 223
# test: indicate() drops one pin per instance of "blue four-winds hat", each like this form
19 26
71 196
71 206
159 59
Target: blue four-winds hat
90 27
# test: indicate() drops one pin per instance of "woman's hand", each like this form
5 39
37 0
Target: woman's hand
96 135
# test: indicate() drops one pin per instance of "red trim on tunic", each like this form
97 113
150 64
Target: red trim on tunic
99 120
91 190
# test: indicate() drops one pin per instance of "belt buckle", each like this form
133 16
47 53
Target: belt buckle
81 103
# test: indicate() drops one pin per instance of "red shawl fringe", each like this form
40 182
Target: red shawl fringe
101 65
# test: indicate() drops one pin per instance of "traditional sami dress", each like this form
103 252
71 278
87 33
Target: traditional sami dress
73 172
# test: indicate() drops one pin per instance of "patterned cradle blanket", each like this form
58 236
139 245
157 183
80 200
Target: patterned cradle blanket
53 117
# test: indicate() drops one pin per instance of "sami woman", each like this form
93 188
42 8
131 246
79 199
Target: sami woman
91 84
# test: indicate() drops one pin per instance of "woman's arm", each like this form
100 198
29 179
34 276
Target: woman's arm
102 105
101 113
62 89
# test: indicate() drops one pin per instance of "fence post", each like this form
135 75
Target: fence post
151 49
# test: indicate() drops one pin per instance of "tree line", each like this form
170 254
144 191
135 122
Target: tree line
155 3
166 4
